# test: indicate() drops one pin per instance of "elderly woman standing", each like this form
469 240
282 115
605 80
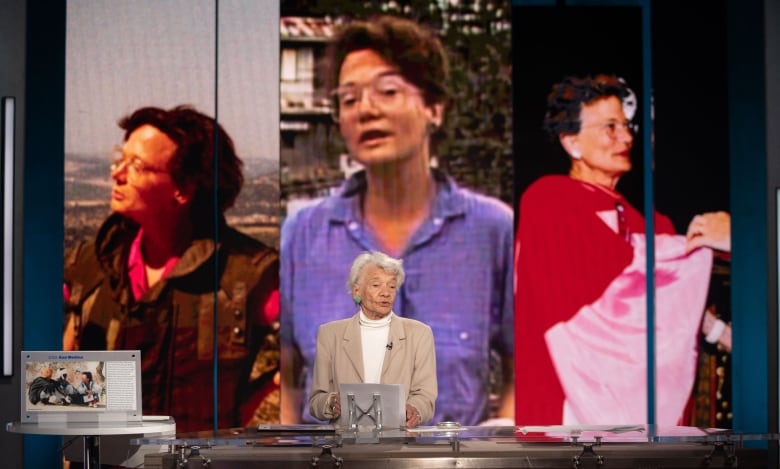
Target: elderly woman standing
375 345
576 235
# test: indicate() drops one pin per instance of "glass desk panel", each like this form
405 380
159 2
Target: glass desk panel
283 435
463 447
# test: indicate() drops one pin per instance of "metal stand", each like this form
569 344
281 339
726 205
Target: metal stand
726 451
91 452
327 457
193 454
355 413
587 450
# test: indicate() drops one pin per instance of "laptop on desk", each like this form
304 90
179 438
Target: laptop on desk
391 401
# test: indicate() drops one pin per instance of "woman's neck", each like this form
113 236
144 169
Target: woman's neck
400 190
603 181
374 320
160 242
397 202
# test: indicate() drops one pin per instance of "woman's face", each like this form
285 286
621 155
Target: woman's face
144 190
602 148
383 118
377 290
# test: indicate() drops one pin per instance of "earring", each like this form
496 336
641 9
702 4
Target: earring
576 155
357 300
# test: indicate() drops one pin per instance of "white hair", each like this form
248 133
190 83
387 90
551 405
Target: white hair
388 264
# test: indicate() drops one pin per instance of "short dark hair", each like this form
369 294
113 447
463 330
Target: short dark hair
569 95
88 374
193 163
414 49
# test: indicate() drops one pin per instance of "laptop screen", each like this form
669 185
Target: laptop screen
390 400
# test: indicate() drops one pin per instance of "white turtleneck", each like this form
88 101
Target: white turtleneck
373 338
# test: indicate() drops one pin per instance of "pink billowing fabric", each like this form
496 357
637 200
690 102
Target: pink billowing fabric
599 354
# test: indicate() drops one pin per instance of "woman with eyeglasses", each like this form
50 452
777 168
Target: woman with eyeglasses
165 265
581 278
390 76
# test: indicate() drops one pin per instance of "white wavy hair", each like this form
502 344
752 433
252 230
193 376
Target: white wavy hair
388 264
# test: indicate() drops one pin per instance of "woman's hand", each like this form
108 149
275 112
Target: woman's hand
334 402
716 331
712 229
412 416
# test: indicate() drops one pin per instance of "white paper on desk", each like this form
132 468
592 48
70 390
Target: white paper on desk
392 398
578 429
436 429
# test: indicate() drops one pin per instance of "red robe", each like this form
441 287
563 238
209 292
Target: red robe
566 255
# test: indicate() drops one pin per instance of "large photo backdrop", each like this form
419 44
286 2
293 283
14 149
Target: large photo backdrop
455 240
171 200
581 171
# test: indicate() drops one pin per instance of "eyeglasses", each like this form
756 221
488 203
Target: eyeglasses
611 128
135 165
385 91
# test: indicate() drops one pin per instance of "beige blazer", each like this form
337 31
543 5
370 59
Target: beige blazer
411 362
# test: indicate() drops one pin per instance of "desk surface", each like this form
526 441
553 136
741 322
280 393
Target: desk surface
300 435
625 447
149 425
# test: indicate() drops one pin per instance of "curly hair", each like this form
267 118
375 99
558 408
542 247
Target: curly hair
193 164
414 49
379 259
569 95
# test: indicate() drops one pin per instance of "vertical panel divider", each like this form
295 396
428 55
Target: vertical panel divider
9 129
649 207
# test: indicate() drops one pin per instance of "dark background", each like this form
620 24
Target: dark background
690 80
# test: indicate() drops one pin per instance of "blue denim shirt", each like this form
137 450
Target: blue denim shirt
459 278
